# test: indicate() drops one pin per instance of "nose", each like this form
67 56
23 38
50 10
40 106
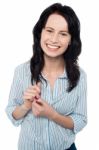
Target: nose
54 38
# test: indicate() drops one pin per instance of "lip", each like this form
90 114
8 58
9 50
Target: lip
52 46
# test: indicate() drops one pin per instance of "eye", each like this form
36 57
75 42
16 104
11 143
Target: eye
63 34
50 31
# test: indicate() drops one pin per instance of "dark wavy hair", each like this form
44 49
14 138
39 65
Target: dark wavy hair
71 54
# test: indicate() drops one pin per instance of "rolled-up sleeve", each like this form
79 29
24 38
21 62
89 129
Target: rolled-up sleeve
15 96
79 115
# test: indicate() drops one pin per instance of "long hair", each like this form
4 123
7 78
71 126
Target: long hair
71 54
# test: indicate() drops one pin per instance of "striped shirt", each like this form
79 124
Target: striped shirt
39 133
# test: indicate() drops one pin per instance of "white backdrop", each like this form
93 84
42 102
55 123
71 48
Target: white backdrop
17 18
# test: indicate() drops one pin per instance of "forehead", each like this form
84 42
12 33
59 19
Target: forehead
57 21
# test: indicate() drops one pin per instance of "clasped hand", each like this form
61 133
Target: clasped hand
32 100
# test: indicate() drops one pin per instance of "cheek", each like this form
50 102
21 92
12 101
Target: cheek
42 38
65 46
66 42
42 42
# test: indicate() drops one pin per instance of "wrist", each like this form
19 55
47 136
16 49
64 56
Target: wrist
53 116
25 108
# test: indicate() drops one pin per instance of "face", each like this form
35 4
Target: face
55 37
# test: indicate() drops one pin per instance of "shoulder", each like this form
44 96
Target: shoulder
82 73
83 77
23 68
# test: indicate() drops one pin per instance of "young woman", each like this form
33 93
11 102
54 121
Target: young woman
48 93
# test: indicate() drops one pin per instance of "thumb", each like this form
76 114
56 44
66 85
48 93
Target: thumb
39 101
39 87
39 84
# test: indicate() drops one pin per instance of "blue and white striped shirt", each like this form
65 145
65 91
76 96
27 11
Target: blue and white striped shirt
39 133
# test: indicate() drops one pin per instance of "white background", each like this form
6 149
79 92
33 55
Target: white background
17 18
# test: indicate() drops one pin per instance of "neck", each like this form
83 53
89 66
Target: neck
53 65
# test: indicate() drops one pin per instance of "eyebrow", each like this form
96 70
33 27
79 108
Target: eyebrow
54 29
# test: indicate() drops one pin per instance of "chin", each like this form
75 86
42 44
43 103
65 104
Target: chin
52 55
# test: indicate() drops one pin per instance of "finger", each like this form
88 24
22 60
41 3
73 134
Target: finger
35 87
32 92
39 103
29 95
36 105
39 84
28 98
36 98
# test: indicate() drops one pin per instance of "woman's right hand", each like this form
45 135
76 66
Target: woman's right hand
31 93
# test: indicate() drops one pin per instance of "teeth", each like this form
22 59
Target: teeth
52 46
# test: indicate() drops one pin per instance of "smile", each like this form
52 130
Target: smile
52 46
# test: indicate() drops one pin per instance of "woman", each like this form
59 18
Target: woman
48 93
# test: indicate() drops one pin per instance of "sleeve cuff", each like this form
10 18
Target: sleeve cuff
79 122
10 116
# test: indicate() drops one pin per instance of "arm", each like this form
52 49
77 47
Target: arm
21 111
64 121
15 96
79 115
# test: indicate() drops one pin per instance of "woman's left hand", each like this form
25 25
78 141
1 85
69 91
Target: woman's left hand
41 108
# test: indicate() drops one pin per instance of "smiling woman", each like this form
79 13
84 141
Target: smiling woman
55 37
48 93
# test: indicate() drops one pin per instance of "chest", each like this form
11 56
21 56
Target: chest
58 96
51 81
54 91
